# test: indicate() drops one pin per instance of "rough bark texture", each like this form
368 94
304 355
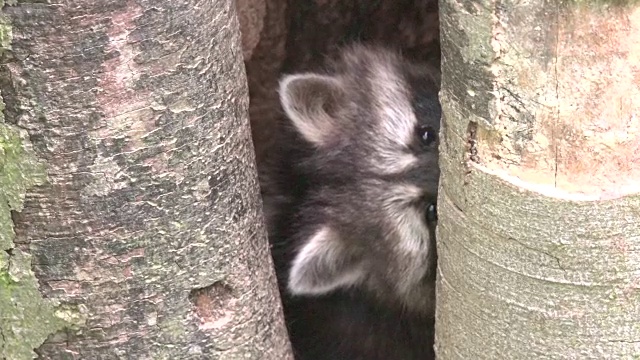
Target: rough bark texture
539 228
147 239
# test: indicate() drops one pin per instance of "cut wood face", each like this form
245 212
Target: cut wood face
566 120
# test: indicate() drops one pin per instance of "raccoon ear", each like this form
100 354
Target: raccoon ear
323 265
312 101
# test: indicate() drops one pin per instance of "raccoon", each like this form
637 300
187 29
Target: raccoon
352 218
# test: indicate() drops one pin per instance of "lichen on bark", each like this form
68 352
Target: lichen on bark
151 192
27 318
5 29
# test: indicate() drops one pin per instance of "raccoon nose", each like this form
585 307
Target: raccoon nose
432 212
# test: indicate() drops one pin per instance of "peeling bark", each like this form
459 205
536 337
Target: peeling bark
148 236
539 228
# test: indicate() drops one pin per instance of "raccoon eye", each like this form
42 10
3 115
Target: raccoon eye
427 135
432 213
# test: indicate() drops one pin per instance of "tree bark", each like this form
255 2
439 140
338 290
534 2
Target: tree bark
539 213
147 240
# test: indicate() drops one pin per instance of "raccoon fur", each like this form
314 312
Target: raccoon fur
350 202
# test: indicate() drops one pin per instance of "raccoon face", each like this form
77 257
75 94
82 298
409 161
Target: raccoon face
368 222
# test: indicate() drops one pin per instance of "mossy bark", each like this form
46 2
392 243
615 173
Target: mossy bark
26 319
539 212
147 241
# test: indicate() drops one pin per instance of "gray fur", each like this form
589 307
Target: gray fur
348 220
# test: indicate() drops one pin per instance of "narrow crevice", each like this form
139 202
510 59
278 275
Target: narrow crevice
3 341
472 133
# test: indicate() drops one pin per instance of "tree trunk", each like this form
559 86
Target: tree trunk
539 214
147 240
